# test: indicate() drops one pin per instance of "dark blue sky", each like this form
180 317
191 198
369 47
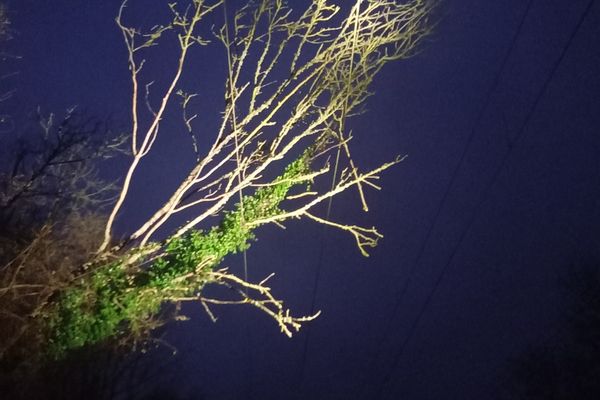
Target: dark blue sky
523 205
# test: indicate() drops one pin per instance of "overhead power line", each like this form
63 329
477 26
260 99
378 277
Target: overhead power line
483 197
329 204
476 121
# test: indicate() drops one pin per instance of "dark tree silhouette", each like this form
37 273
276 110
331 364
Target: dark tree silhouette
569 367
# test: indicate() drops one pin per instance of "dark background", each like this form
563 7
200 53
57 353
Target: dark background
466 276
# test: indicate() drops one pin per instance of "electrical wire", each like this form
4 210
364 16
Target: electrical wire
234 125
329 202
239 173
477 120
483 197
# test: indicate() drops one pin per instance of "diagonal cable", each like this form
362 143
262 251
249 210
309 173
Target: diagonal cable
239 172
398 355
330 201
493 87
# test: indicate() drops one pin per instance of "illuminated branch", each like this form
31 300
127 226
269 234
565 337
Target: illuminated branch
186 40
275 116
266 302
345 182
365 237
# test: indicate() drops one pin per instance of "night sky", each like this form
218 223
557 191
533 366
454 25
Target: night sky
499 115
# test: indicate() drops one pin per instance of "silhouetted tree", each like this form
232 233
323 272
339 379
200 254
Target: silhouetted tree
569 366
97 373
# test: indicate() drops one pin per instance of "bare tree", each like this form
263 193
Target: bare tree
292 81
273 111
326 81
51 199
52 171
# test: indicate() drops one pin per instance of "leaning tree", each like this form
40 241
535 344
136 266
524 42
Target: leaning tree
280 152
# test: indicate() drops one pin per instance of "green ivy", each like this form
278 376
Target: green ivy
232 235
112 301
